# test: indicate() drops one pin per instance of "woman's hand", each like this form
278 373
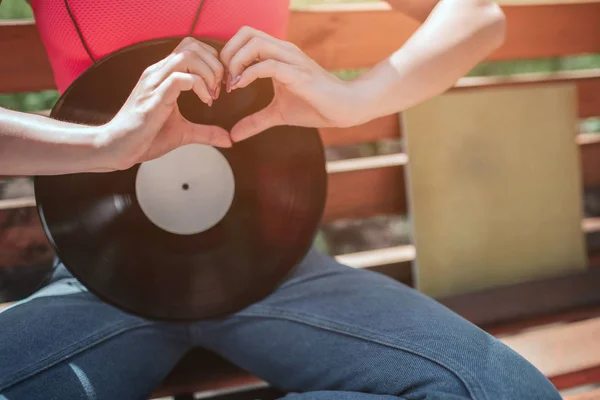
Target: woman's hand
150 124
147 126
305 93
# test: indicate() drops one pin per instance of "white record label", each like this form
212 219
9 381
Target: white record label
186 191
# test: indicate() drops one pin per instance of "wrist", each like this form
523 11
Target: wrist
371 90
109 147
93 143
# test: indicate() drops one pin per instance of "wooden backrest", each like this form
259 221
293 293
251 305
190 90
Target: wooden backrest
352 36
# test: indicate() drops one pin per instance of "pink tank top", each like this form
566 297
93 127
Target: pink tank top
109 25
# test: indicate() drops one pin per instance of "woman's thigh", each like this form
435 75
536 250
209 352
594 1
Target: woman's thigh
63 342
337 329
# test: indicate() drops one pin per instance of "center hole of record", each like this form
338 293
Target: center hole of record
176 208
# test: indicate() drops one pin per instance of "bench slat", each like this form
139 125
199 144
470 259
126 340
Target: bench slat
578 378
587 81
526 300
388 127
361 38
589 395
560 349
365 193
347 38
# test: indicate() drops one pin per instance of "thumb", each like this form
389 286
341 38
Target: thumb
256 123
207 134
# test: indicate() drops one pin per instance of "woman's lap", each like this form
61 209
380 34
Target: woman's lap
329 329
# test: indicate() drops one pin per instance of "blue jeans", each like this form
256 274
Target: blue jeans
330 332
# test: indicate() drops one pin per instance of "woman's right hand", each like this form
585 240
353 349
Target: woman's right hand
150 124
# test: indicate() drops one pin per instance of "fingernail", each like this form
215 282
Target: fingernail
228 85
217 92
235 81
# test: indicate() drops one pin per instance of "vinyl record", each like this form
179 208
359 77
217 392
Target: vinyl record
198 233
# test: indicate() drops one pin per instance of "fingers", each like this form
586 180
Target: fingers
249 46
277 70
242 36
182 130
209 55
190 56
256 123
168 92
207 134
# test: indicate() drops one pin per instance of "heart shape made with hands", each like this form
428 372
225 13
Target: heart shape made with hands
125 66
99 229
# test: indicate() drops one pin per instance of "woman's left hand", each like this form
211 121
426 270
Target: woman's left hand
305 93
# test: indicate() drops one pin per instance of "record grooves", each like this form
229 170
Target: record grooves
100 223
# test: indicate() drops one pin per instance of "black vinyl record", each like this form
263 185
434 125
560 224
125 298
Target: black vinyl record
101 231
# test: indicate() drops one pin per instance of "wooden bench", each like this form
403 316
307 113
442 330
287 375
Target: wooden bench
558 309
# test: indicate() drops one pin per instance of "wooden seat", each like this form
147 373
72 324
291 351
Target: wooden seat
358 36
204 371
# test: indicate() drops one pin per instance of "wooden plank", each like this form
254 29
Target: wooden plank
235 391
360 38
587 81
529 299
348 37
27 68
394 262
564 31
202 370
519 325
11 204
364 193
590 159
588 104
588 395
214 384
387 127
578 378
370 258
366 163
560 349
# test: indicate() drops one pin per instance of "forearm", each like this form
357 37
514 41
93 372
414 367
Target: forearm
37 145
455 37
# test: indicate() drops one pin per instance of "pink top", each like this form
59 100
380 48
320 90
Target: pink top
109 25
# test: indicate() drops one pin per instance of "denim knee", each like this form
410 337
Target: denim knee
504 374
489 372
